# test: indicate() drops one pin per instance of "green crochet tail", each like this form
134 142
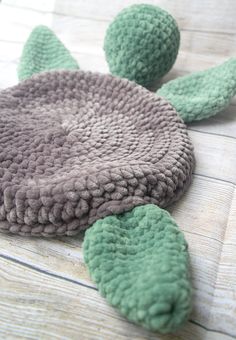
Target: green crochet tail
202 94
139 261
43 51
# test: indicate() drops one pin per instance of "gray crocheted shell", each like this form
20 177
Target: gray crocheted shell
77 146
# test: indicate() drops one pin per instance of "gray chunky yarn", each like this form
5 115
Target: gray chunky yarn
77 146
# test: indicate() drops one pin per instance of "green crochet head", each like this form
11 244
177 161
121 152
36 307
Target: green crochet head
142 43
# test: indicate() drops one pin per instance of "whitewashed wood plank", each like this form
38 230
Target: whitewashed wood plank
230 235
215 155
61 257
217 336
40 5
214 287
16 23
224 302
188 62
38 308
194 15
203 209
87 35
91 62
44 304
8 74
223 308
80 35
208 43
10 51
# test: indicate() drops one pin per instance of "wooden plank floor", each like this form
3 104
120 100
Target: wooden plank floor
45 290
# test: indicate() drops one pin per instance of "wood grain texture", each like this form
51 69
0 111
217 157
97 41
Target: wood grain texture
194 15
50 309
46 292
215 155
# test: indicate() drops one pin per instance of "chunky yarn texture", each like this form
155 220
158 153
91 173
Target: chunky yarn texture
43 51
202 94
77 146
142 43
139 261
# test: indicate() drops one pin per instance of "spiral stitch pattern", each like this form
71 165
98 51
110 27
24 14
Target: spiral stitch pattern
77 146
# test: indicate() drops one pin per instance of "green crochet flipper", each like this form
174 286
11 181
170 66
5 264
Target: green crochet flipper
202 94
139 261
43 51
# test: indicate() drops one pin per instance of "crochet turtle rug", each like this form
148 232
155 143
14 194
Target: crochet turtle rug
81 149
78 146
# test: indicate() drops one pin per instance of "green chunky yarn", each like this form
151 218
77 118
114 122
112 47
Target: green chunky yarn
43 51
202 94
139 261
142 43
